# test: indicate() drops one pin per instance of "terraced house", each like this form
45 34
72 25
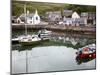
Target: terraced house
68 17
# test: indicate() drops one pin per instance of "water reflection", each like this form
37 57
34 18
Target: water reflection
50 58
57 54
83 60
58 41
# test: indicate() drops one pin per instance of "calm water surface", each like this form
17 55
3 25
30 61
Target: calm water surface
58 54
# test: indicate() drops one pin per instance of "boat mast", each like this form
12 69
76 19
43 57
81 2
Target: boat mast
26 35
25 19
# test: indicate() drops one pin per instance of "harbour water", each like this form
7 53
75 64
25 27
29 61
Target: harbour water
57 54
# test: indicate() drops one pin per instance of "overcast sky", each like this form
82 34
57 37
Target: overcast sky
85 2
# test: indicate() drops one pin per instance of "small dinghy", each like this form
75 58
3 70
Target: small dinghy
15 40
44 33
86 53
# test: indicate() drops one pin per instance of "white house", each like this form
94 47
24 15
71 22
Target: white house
31 18
74 20
75 15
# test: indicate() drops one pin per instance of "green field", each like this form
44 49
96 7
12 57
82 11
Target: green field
43 7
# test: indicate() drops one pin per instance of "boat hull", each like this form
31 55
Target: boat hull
90 55
82 58
15 41
33 42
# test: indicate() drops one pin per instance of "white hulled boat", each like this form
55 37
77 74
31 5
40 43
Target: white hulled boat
43 33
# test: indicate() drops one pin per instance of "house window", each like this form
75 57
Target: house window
36 18
31 22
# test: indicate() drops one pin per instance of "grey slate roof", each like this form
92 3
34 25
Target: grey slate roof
67 12
22 16
27 15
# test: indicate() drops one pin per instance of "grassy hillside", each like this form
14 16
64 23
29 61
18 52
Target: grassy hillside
42 7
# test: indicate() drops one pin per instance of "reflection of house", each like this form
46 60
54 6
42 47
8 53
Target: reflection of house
90 16
69 40
30 18
73 41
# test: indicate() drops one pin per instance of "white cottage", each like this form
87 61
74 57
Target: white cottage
75 15
31 18
75 20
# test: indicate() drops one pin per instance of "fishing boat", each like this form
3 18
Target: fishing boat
86 53
43 33
28 40
15 40
32 40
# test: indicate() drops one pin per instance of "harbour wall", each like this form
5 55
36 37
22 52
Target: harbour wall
87 29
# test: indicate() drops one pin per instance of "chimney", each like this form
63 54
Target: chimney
27 11
36 12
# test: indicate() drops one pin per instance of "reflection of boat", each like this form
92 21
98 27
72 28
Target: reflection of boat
30 45
86 53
